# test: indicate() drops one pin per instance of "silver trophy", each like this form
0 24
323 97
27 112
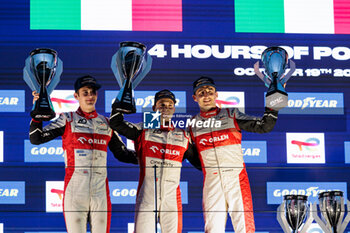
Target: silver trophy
275 60
42 73
332 210
129 66
293 213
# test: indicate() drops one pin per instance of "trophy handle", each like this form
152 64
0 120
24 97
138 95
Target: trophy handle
281 218
145 69
290 72
263 77
342 227
319 220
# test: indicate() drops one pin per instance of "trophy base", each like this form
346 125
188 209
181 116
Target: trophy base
277 100
42 115
125 108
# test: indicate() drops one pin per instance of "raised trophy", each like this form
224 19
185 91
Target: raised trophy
332 210
129 66
294 214
275 60
42 73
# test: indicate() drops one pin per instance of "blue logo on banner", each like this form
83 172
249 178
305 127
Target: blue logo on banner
12 101
254 151
144 100
276 190
124 192
314 103
49 152
12 192
347 152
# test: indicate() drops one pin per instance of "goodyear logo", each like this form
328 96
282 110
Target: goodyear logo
254 151
276 190
144 100
49 152
12 192
12 101
124 192
314 103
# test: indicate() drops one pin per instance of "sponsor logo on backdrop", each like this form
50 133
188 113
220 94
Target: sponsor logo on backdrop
1 228
64 101
124 192
314 103
54 196
12 192
144 100
305 148
12 101
276 190
254 151
347 152
121 192
1 146
49 152
230 99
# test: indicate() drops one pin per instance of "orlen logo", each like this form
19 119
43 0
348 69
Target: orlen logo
144 100
155 149
308 144
124 192
12 192
205 141
314 103
83 140
12 101
54 196
230 99
305 148
64 101
49 152
276 190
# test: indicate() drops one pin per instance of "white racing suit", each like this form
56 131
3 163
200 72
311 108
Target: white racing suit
226 186
164 148
85 137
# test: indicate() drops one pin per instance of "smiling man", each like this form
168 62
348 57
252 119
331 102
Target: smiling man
164 148
226 185
85 137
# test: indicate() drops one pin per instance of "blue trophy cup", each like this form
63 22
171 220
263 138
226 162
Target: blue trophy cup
275 60
42 73
129 66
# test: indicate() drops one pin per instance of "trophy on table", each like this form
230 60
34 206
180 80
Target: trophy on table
332 210
42 73
293 212
275 60
129 66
